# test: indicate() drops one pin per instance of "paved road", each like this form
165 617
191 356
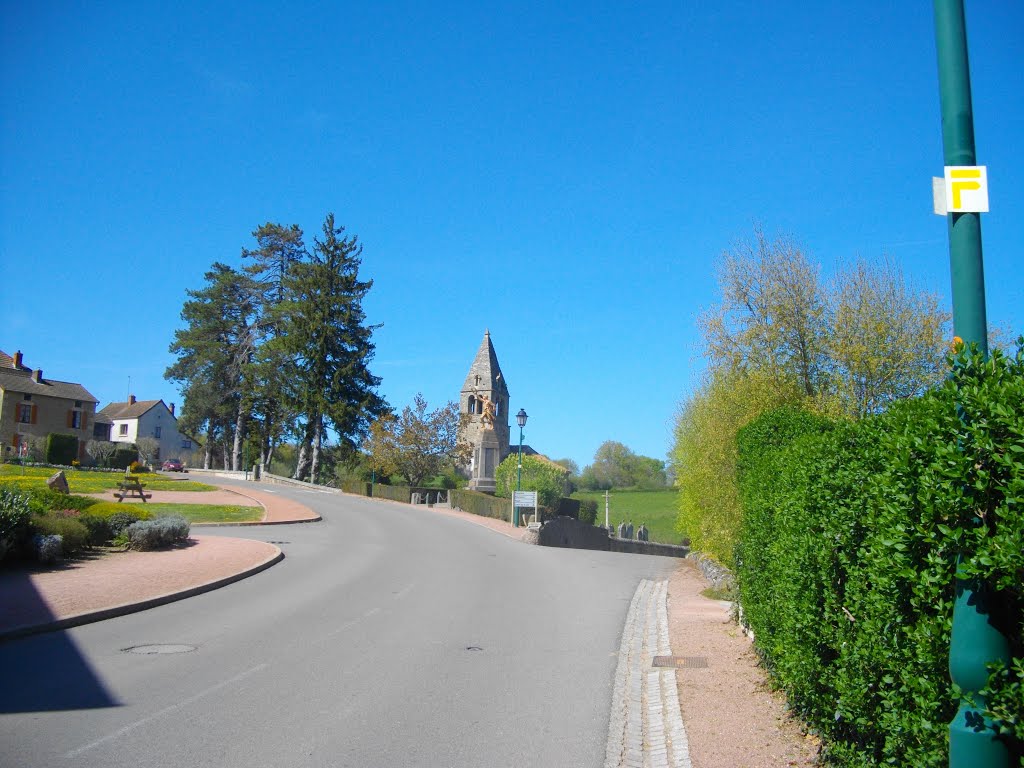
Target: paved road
389 636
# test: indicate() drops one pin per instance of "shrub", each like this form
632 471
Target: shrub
158 533
588 511
61 449
482 504
99 529
123 457
120 520
541 475
14 517
42 499
74 535
49 548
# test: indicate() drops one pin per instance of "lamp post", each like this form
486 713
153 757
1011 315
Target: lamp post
521 418
974 641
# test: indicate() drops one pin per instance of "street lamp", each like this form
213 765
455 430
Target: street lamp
521 418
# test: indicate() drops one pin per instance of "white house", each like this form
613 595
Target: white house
147 418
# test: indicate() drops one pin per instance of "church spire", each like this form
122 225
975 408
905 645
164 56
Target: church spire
485 373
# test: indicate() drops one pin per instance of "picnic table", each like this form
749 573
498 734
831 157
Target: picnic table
131 488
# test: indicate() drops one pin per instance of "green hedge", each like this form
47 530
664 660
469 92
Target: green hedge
848 554
61 449
401 493
481 504
355 485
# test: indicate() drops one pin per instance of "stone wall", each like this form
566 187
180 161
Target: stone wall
572 534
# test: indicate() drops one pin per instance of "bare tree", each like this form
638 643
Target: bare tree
100 450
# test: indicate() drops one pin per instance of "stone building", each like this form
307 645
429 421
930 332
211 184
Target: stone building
484 402
32 407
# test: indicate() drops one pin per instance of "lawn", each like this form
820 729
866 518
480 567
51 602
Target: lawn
95 482
657 509
207 513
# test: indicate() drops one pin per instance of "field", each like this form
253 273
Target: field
657 509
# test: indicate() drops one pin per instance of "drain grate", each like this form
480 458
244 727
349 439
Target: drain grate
681 662
148 650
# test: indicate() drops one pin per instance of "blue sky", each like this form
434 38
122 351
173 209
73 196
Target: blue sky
564 174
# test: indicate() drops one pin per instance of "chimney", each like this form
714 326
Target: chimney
17 359
37 375
172 409
131 399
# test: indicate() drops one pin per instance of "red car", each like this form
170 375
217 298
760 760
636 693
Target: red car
173 465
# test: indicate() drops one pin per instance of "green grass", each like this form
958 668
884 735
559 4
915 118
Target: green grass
95 482
657 509
207 513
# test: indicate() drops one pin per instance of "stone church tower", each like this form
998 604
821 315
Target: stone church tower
484 389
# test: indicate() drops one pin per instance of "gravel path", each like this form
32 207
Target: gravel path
733 717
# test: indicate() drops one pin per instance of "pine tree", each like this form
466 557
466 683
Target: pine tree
325 336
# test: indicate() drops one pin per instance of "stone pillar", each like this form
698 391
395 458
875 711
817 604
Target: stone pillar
486 457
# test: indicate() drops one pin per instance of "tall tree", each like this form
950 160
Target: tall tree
886 341
773 313
279 250
325 335
418 444
213 348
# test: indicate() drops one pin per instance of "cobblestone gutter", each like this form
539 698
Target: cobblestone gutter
645 729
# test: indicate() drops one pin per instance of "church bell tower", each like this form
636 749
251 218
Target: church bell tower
484 400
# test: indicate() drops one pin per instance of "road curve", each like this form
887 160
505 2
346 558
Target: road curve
388 636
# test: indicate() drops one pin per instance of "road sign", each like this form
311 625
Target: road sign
966 188
524 498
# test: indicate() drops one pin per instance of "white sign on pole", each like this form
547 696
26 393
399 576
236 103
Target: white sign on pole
966 188
939 196
524 498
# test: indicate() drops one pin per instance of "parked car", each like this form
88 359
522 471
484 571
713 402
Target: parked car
173 465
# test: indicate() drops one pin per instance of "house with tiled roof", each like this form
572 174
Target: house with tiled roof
32 406
146 418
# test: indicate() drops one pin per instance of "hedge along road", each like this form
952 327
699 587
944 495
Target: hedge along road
388 635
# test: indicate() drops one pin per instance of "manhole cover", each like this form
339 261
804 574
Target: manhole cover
473 648
147 650
681 662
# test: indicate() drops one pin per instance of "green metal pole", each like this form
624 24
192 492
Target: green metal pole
974 642
519 479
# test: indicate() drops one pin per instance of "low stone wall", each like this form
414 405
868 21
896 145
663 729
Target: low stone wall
717 574
647 547
572 534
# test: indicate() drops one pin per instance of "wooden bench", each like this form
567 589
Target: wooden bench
131 489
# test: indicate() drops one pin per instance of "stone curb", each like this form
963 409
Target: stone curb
133 607
645 728
249 524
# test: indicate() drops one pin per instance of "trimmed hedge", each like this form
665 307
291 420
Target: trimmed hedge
481 504
61 449
401 493
847 562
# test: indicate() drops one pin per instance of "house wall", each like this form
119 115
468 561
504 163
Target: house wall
49 415
156 419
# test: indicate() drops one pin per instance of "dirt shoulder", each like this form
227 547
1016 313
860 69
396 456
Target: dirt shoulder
733 719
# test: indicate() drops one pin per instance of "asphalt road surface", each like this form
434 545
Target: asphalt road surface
388 636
